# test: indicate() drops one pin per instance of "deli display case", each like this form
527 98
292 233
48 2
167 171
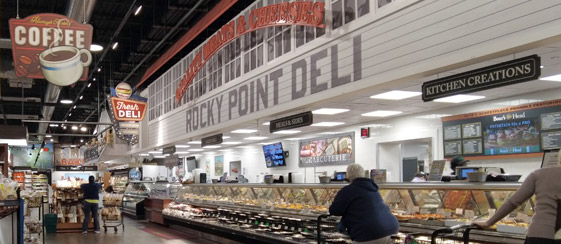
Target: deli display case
288 213
133 199
161 194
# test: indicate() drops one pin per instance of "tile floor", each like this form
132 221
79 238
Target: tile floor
136 232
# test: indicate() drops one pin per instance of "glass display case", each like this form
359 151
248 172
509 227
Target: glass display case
419 207
164 190
133 200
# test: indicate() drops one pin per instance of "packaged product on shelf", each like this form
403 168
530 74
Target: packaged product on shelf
32 198
8 189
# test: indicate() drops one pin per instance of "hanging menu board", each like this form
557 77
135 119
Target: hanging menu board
527 128
452 147
453 132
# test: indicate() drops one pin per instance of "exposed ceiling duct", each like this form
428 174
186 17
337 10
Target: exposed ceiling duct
80 10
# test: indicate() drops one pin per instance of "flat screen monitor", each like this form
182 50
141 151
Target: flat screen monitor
465 172
340 176
274 155
191 163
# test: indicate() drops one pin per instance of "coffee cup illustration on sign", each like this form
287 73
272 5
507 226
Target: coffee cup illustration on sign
64 65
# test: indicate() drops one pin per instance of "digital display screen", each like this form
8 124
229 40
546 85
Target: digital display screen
466 171
340 176
512 137
274 155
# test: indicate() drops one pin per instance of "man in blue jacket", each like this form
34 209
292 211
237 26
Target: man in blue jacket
91 202
365 214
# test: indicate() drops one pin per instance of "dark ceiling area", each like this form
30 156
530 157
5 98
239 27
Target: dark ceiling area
113 21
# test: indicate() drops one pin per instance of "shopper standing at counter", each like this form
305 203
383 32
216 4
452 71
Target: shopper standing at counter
364 213
544 183
91 201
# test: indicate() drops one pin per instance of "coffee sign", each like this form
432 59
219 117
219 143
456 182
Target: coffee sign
128 110
52 47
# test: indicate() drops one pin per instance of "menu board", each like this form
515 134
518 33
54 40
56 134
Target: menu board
452 147
550 159
551 121
452 132
551 140
471 130
474 146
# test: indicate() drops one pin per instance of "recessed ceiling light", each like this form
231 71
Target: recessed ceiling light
90 84
70 114
225 137
287 132
552 78
160 156
267 123
182 146
458 98
181 153
74 127
329 133
81 140
232 142
81 97
84 129
74 107
381 113
330 111
138 10
64 127
255 138
99 69
541 66
48 136
52 140
328 124
195 150
194 142
94 79
53 125
396 95
115 45
212 147
243 147
72 145
432 116
96 48
244 131
155 152
144 154
66 101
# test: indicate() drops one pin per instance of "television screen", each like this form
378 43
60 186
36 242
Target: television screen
512 137
466 171
274 155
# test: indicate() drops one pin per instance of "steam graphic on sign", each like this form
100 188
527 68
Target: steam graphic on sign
63 65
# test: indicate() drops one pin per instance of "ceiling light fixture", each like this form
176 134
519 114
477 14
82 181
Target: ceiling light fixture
195 150
255 138
70 114
182 146
52 140
81 97
65 101
160 156
381 113
328 124
194 142
90 84
84 129
181 153
72 145
144 154
74 127
244 131
330 133
458 98
48 136
99 69
330 111
225 137
267 123
232 142
96 48
115 45
74 107
81 140
137 10
155 152
94 79
212 147
287 132
396 95
552 78
53 125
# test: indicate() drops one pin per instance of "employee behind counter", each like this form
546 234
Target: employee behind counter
459 168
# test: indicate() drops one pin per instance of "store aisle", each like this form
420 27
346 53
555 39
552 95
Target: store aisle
136 232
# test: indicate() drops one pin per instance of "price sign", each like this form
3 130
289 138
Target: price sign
459 211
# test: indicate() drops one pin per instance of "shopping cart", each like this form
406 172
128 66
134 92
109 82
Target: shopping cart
114 220
327 231
457 234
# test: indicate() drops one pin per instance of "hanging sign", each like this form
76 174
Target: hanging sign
506 73
305 13
128 110
76 168
291 122
168 150
211 140
52 47
328 150
171 161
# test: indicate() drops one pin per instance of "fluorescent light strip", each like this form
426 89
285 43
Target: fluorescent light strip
330 111
381 113
287 132
194 142
181 153
232 142
255 138
225 137
244 131
396 95
212 147
329 133
144 154
267 123
552 78
328 124
458 98
195 150
182 146
155 152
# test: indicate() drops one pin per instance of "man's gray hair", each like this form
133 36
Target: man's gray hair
354 171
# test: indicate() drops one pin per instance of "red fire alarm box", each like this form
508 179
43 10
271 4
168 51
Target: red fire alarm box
365 132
